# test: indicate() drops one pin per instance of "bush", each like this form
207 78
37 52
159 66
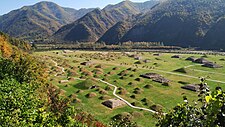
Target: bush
123 120
208 112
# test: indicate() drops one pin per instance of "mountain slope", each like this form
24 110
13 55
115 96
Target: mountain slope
115 33
94 24
178 22
214 38
39 20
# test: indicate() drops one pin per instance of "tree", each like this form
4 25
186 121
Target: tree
18 105
208 112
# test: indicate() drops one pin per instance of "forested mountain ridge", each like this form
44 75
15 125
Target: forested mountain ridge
180 22
185 23
38 21
94 24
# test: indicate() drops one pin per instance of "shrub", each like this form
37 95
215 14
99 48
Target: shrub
208 112
123 120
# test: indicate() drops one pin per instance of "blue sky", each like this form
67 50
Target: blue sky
8 5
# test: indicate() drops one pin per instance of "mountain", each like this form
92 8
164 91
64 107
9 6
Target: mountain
94 24
181 23
115 33
39 20
214 38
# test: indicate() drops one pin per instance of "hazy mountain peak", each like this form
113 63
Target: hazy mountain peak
39 20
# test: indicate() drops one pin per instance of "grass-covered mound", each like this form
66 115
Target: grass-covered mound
181 70
86 84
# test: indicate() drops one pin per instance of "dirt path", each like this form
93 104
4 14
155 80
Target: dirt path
129 104
192 65
56 64
172 73
114 91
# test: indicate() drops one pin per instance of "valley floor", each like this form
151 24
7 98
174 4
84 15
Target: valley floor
118 75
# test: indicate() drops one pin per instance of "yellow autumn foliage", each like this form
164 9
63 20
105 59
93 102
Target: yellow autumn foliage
5 48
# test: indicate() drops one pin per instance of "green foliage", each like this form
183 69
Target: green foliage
16 42
123 120
84 29
38 21
18 105
210 112
86 84
27 100
23 69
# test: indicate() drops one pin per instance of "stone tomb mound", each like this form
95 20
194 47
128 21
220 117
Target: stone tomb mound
212 65
113 103
176 56
156 78
191 87
191 58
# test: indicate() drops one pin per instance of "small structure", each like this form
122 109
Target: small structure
212 65
161 80
150 75
113 103
64 81
156 77
176 56
156 54
201 61
192 87
67 51
191 58
147 60
137 57
87 63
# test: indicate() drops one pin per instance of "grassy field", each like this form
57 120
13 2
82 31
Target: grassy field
123 70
